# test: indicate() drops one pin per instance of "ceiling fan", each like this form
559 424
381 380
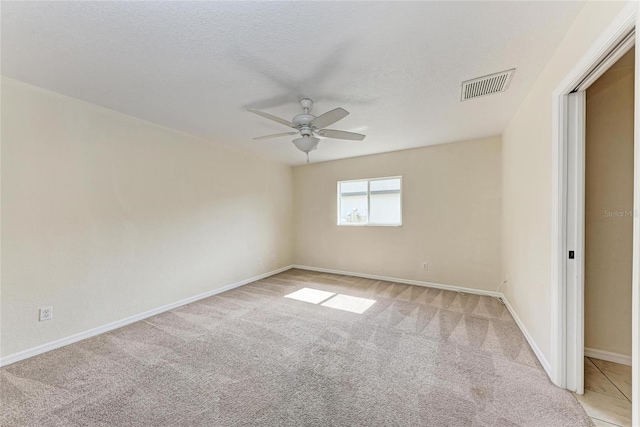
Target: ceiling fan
308 126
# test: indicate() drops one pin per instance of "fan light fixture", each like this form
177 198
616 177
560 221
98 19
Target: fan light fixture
306 144
307 125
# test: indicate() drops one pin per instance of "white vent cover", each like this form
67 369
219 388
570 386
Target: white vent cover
486 85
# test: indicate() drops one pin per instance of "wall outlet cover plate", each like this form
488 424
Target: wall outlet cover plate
46 313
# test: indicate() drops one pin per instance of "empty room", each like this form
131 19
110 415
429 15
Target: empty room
319 213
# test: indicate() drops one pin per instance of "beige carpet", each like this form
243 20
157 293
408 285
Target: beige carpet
250 356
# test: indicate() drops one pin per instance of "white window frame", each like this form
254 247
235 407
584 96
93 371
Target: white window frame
368 224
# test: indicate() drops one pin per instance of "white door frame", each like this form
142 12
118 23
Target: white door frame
568 168
574 239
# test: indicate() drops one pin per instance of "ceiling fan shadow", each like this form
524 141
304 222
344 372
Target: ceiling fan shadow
314 85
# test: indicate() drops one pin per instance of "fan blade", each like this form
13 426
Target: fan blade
270 117
329 118
340 134
276 135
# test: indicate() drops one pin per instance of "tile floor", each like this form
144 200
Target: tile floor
607 392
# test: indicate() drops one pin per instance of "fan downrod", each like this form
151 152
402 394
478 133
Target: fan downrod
306 104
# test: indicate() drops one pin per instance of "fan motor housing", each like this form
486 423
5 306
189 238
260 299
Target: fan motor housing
302 119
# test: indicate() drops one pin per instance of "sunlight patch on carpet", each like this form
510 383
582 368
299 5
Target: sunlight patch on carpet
314 296
348 303
329 299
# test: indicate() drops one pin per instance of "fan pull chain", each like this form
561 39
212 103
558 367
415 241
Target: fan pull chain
307 157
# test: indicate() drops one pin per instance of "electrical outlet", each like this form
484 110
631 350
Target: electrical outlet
273 259
425 266
259 261
46 313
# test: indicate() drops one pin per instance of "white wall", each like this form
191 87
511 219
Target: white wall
451 216
526 181
105 216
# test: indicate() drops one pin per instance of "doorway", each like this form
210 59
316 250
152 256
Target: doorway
608 242
568 219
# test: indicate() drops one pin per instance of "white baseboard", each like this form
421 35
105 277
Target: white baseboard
527 335
543 361
608 356
12 358
120 323
406 281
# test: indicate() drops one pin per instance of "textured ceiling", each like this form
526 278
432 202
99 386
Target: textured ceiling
197 66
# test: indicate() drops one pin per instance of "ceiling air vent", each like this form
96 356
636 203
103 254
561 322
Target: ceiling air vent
486 85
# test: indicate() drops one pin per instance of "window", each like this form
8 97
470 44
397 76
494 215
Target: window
370 201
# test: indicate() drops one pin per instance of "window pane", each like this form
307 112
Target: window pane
353 202
353 187
380 185
385 201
